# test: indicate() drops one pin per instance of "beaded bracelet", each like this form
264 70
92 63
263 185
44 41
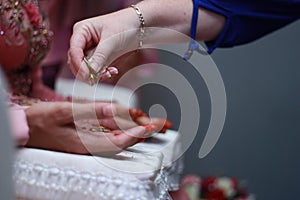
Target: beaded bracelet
142 24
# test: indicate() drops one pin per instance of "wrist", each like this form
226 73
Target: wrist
177 15
169 14
141 18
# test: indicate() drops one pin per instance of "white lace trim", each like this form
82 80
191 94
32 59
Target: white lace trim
173 174
36 181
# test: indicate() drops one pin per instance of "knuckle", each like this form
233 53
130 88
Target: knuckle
99 57
121 144
61 110
78 25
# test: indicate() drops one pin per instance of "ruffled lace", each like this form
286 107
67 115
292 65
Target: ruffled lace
36 181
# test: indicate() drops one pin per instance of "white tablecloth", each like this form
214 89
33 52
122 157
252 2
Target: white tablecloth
142 172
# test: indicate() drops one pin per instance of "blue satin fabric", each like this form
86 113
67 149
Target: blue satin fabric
247 20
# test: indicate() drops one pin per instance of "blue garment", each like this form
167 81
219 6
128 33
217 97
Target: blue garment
247 20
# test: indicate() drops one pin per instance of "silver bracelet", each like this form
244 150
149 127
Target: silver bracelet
142 24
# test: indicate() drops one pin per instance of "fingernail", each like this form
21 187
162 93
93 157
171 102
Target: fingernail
141 140
144 115
168 124
163 130
113 70
106 74
116 134
150 128
135 113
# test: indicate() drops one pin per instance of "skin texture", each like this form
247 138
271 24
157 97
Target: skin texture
52 124
55 129
93 33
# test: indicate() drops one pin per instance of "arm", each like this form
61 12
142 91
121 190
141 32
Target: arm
93 33
177 15
221 23
75 127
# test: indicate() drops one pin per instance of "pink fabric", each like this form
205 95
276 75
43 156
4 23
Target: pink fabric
18 121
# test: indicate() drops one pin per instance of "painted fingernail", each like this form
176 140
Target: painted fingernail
144 115
163 130
168 124
135 113
116 134
113 70
141 140
150 128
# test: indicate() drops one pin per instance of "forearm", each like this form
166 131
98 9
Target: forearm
177 15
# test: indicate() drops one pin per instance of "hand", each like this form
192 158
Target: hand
52 126
138 117
106 36
110 36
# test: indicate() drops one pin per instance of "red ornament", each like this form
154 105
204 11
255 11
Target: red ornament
216 194
33 14
208 184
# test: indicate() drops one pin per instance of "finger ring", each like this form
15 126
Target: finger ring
99 129
92 74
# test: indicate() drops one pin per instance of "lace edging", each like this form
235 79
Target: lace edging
36 181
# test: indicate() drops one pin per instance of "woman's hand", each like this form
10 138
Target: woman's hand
102 39
52 126
111 36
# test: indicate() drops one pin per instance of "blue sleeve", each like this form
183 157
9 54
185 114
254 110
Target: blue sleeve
247 20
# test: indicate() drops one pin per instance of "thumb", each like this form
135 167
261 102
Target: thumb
112 47
103 54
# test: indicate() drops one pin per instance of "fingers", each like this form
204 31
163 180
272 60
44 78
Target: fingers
86 36
124 139
78 43
162 124
117 110
139 117
112 115
107 73
100 57
128 113
67 112
62 113
108 143
97 110
117 123
105 43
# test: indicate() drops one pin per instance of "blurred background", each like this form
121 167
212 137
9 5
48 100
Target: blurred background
260 140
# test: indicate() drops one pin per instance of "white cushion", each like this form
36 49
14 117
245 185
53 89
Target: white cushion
138 173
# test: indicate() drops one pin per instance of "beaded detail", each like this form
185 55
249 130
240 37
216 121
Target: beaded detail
22 21
53 182
20 80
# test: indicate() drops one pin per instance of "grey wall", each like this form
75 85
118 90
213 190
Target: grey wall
260 142
6 147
